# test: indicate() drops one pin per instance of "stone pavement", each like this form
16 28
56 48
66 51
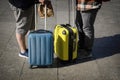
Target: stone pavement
104 66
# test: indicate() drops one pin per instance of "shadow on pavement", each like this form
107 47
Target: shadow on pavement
106 46
103 47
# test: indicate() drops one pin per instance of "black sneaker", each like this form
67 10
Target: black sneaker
25 54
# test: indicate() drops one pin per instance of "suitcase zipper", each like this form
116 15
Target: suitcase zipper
71 40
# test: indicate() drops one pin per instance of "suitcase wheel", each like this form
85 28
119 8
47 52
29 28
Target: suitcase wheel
38 66
31 66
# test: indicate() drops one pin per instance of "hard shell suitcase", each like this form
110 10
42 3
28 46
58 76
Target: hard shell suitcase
40 47
65 42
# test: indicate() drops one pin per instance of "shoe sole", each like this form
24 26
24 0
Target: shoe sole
23 56
90 56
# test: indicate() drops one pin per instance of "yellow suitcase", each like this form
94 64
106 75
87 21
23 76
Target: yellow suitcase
65 42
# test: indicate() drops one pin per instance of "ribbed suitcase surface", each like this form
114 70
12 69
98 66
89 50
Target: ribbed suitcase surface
40 48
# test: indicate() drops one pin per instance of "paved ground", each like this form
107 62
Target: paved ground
104 66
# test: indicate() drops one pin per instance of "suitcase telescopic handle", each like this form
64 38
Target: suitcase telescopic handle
71 6
36 18
35 15
45 16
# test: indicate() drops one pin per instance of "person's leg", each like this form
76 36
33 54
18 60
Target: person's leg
88 18
79 24
20 23
21 30
24 23
21 42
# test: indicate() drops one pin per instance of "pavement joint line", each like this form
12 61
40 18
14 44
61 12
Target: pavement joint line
57 72
99 69
21 71
4 49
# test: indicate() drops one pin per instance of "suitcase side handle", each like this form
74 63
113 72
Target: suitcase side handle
42 31
66 25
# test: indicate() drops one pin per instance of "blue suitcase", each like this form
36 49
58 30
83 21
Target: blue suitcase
40 48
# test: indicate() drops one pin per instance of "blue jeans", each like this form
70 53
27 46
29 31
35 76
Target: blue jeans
85 24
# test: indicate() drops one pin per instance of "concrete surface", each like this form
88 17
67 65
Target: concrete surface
104 66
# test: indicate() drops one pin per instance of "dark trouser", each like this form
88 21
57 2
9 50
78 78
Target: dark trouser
85 24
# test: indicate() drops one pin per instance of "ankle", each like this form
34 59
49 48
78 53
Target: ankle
23 51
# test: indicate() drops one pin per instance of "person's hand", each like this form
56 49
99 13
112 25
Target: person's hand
78 7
